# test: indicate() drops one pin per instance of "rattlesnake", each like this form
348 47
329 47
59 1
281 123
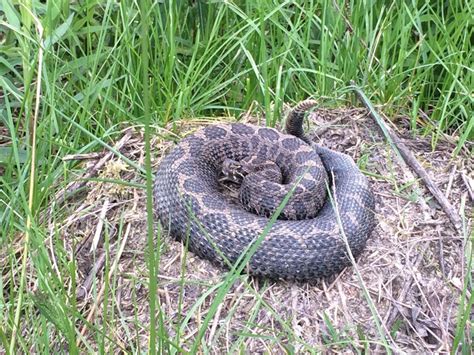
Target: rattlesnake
191 205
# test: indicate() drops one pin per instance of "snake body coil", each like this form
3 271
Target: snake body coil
306 243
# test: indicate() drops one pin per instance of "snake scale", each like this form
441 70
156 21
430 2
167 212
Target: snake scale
326 189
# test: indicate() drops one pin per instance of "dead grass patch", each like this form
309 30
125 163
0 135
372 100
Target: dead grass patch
413 267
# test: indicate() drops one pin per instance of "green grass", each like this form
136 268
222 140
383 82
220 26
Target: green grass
107 65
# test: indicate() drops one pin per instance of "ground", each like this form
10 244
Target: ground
404 290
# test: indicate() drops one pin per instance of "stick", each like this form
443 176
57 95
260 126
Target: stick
469 184
394 310
83 289
403 151
63 194
84 156
98 298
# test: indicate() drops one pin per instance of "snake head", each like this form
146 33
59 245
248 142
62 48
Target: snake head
232 171
235 171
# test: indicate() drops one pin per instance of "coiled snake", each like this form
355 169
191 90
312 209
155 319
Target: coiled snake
306 242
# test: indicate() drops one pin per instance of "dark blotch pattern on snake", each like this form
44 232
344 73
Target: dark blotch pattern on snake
306 241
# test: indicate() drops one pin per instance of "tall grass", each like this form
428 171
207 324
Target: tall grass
108 63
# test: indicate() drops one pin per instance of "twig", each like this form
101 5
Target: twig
98 298
100 225
215 323
469 184
402 150
83 289
63 194
84 156
450 181
392 314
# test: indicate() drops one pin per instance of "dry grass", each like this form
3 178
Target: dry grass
413 265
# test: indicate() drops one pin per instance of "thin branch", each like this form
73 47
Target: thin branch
403 151
62 195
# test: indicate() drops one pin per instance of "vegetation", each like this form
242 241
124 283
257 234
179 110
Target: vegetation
74 74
